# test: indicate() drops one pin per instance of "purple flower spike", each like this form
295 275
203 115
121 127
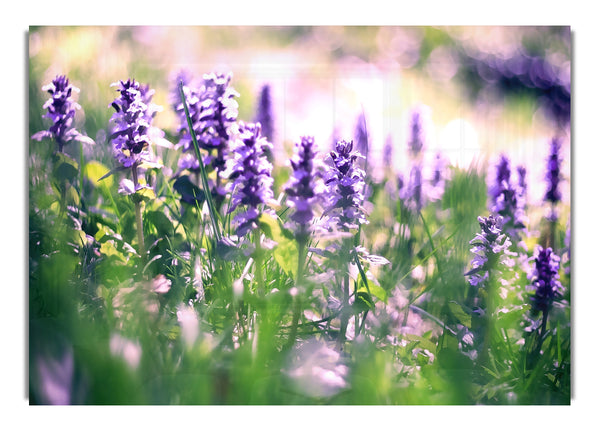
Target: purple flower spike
250 171
491 250
131 123
417 130
508 200
219 115
301 188
545 280
61 110
553 176
213 111
346 183
264 112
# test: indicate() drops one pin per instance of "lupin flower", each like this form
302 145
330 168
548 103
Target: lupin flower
250 171
61 110
491 249
132 119
302 188
553 175
545 282
345 184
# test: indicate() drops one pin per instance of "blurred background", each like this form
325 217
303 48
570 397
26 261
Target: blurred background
489 89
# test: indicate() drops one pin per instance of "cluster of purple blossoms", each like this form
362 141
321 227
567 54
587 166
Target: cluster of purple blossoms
61 110
545 282
553 175
491 249
346 185
250 172
132 120
508 200
213 111
301 187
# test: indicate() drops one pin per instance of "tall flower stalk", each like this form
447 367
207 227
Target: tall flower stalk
251 186
553 194
131 124
345 212
490 268
61 109
545 285
507 200
213 111
303 197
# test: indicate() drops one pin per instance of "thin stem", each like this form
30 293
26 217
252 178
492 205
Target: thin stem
138 219
297 298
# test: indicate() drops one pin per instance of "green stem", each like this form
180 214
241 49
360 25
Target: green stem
139 220
258 264
297 298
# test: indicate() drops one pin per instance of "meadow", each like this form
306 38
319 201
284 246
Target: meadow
317 216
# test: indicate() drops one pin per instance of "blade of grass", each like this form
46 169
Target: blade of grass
211 205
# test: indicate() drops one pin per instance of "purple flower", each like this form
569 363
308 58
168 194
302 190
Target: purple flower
413 191
508 200
61 110
132 119
219 115
361 135
264 112
301 187
491 250
553 176
345 184
417 132
544 280
250 171
213 112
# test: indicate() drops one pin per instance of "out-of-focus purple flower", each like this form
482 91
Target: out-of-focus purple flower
417 130
345 183
132 119
61 110
413 190
250 171
545 282
491 249
361 136
553 176
508 200
264 112
388 153
301 187
438 178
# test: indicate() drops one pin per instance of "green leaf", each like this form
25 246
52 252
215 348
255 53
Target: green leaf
363 302
160 221
95 171
143 194
286 250
423 342
457 311
65 168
